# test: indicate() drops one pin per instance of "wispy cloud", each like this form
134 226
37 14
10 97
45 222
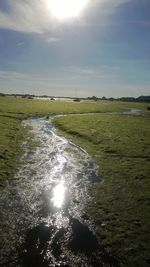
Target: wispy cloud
101 72
82 71
32 77
26 16
34 16
20 44
51 40
12 75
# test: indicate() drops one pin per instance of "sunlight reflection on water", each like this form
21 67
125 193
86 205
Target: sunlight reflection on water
43 207
58 195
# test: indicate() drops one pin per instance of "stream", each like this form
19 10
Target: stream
43 217
42 209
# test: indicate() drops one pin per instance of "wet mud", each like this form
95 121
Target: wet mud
43 222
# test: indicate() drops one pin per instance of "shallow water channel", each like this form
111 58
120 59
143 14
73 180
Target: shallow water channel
42 209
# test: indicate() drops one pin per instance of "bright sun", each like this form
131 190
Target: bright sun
65 9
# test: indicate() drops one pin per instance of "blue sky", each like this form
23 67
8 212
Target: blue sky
103 52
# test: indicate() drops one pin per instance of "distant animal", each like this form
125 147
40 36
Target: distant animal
148 108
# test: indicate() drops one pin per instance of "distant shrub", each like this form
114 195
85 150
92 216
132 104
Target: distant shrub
1 94
76 100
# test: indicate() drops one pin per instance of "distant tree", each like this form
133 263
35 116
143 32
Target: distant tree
1 94
127 99
143 99
111 99
44 96
95 98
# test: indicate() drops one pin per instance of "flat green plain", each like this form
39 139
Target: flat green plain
119 206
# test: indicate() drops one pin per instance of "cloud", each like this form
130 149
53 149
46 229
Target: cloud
101 72
26 16
82 71
32 77
109 3
51 40
12 75
35 17
20 44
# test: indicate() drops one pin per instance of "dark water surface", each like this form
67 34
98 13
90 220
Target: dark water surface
43 222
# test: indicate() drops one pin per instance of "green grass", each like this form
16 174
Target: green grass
120 205
26 107
13 110
11 137
120 147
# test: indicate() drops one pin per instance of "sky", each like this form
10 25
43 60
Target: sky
104 51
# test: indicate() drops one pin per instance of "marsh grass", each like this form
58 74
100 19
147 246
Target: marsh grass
120 206
14 110
11 136
119 145
25 107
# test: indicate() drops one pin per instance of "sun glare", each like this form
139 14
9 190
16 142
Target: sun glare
58 195
65 9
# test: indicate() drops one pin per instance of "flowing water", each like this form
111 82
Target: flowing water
42 210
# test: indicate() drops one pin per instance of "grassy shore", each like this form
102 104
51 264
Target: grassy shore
11 136
119 145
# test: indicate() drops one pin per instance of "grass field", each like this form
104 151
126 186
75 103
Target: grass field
13 110
120 206
11 136
25 107
119 145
